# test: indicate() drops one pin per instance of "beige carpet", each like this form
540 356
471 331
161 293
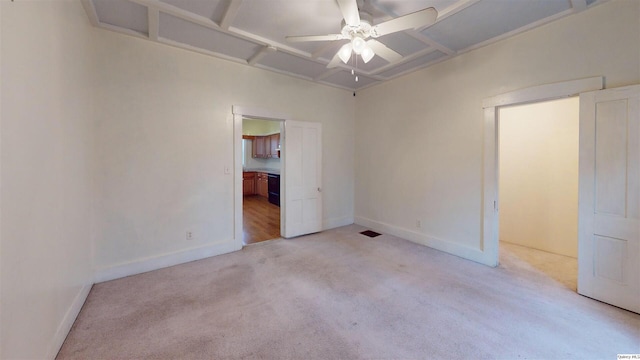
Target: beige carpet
563 269
340 295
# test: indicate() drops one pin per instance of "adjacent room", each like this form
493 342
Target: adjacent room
142 169
538 186
261 152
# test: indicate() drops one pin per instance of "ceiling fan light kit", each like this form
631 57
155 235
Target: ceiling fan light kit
345 52
357 27
367 54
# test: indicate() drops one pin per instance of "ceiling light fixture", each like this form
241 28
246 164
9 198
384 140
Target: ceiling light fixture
358 44
345 52
358 28
367 54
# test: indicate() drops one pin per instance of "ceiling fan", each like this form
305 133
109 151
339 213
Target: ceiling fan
358 27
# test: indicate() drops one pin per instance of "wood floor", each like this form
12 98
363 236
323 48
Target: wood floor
261 219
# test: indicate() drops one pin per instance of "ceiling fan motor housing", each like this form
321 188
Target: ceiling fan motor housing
363 30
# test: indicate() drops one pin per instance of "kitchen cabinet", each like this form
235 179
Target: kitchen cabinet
262 184
260 147
274 146
248 183
266 146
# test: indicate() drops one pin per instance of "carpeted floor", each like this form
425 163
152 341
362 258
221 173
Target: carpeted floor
563 269
341 295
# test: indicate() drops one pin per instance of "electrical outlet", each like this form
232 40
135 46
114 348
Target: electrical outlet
419 224
189 235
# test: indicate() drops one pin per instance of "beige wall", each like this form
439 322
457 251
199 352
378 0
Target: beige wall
419 138
539 176
165 135
138 134
46 181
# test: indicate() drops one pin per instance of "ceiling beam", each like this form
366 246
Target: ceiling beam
179 13
153 22
91 12
429 41
264 41
454 8
327 47
208 23
403 60
230 14
578 5
201 50
261 53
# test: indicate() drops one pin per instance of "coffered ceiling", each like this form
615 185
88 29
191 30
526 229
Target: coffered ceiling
252 32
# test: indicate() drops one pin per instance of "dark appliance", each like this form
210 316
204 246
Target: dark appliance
274 189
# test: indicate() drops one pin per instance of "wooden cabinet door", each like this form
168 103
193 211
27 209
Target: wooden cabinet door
248 183
263 185
274 140
259 147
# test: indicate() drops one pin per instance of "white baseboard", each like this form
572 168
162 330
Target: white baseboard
452 248
336 222
67 321
162 261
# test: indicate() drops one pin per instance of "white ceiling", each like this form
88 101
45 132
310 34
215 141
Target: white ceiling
252 32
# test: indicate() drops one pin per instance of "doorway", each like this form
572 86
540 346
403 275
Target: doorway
538 187
261 168
300 183
490 199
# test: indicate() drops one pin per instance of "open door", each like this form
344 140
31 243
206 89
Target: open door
302 178
609 197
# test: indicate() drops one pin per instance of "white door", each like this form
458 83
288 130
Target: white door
302 178
609 200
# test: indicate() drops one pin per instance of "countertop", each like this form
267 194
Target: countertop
262 170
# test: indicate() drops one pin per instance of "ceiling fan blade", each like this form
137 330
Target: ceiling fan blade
383 51
334 62
414 20
350 12
330 37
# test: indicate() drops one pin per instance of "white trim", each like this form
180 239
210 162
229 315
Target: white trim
490 198
91 12
239 113
153 23
200 50
162 261
462 251
230 14
260 54
578 5
337 222
179 13
237 177
545 92
67 321
259 113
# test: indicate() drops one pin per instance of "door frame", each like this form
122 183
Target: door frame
240 113
490 196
